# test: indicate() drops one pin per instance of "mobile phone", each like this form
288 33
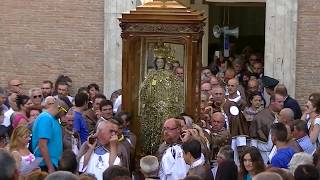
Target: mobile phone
75 135
92 140
183 133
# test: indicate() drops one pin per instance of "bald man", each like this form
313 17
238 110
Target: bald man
267 176
235 121
47 134
170 153
253 86
15 86
219 135
286 115
234 94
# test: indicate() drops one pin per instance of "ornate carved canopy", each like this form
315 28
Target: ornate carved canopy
174 25
162 17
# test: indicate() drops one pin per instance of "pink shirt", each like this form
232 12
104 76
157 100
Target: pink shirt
17 118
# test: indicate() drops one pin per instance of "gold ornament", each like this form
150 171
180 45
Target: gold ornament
164 51
161 97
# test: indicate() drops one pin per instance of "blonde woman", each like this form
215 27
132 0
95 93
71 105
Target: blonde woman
26 161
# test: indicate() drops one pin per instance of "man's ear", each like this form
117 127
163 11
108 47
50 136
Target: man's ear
188 155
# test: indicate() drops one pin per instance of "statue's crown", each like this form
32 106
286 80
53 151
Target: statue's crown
164 51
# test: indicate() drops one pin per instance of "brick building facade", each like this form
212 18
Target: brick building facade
41 39
308 49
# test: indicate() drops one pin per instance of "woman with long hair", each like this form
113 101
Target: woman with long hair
26 161
312 108
20 117
251 163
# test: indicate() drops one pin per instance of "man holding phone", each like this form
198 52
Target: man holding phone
102 149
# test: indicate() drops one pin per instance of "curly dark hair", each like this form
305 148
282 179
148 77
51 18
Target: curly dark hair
251 96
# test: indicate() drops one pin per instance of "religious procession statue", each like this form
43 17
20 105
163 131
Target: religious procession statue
161 96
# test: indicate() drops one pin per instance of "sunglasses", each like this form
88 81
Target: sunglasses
62 109
39 96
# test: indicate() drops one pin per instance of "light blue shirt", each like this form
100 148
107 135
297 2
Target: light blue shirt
306 144
47 127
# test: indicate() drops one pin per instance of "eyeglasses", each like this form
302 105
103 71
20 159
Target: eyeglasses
39 96
17 85
113 132
218 122
60 108
169 129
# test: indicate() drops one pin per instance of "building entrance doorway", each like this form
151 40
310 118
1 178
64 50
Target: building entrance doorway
248 17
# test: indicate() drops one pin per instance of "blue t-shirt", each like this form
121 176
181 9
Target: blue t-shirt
282 158
80 125
47 127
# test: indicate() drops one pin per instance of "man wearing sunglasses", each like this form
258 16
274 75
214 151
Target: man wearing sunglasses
47 134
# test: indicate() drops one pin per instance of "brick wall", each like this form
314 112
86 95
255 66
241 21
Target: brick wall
308 49
41 39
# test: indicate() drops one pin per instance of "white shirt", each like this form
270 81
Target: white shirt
7 115
97 164
198 162
117 104
172 165
316 121
236 99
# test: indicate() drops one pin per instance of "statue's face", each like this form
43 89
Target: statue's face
168 66
160 63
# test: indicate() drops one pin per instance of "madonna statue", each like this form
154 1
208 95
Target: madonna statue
161 97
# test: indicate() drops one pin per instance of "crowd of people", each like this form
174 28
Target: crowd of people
241 135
